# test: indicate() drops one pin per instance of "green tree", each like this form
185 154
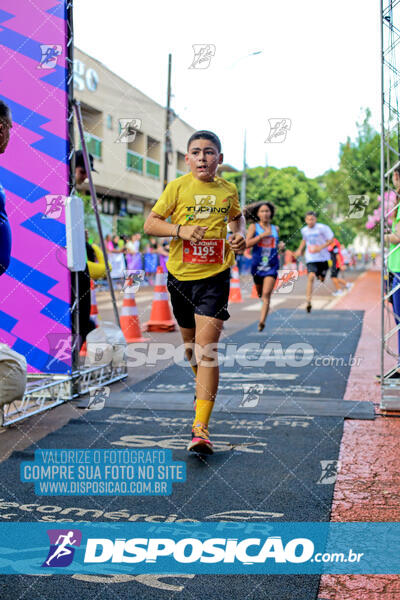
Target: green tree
130 225
292 193
358 174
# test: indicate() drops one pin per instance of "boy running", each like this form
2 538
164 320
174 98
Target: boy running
200 206
316 239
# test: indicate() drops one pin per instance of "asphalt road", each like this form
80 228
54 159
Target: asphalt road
285 456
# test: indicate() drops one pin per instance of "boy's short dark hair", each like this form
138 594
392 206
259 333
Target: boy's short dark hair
205 135
252 210
311 212
79 162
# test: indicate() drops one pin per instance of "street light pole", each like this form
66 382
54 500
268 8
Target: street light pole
244 177
167 142
244 174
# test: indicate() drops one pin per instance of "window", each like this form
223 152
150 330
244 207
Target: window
109 122
94 144
152 168
134 162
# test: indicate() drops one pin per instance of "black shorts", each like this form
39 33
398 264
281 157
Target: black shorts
319 268
258 280
207 297
335 271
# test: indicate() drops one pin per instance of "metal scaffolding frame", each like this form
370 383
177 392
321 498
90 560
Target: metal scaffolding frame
46 391
390 160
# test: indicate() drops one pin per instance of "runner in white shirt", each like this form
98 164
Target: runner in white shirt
316 239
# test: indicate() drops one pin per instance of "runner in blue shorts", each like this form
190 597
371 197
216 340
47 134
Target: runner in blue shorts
263 238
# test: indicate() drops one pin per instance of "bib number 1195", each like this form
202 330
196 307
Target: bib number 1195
204 252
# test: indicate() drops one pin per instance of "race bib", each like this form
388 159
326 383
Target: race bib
267 242
205 252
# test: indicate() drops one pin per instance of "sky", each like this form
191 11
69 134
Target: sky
319 68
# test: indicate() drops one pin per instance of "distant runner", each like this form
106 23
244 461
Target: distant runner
263 238
336 268
316 239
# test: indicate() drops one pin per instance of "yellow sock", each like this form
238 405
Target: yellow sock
203 411
194 369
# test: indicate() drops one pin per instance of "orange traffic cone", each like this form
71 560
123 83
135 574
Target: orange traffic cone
160 317
129 319
254 293
94 312
235 294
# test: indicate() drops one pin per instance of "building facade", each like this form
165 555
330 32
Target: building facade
125 132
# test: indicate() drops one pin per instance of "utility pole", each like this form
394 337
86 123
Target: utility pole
167 143
244 176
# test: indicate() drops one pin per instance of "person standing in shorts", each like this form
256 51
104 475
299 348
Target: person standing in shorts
200 206
316 239
263 238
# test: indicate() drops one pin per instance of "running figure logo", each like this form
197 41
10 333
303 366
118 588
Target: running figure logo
278 129
285 281
132 281
49 56
98 398
54 206
251 395
330 469
357 206
61 552
61 347
203 54
127 130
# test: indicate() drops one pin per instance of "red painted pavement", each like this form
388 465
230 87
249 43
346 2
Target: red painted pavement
368 484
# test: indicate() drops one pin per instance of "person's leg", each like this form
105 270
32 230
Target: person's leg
268 286
183 309
210 297
258 282
188 337
259 288
208 331
310 283
342 282
335 283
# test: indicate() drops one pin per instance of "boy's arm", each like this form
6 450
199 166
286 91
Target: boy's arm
322 246
238 228
252 240
300 249
156 225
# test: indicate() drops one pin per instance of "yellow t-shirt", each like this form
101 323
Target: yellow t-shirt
189 201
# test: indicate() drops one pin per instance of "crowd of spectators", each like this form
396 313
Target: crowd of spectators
134 253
